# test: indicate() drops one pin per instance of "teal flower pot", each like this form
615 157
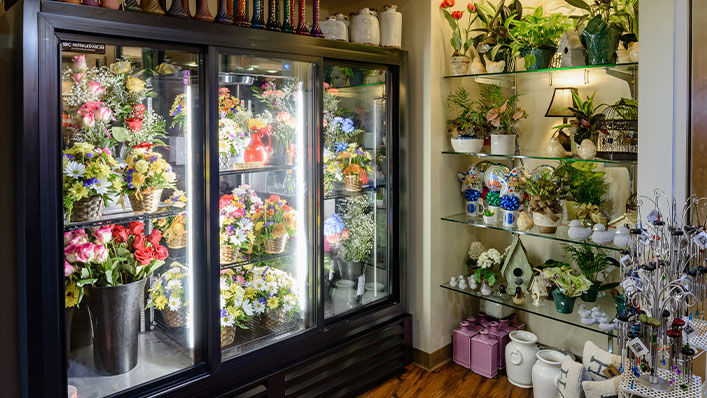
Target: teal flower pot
563 303
590 295
543 57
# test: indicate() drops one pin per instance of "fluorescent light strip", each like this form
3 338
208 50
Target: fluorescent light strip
190 217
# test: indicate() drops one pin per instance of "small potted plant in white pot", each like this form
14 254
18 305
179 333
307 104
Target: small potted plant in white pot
503 117
467 129
545 204
490 217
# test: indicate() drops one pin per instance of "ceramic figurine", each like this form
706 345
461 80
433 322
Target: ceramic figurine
461 344
391 26
453 282
520 358
600 235
555 149
622 237
472 283
587 150
365 28
485 289
462 284
577 232
622 55
518 297
333 29
525 222
477 67
494 67
633 51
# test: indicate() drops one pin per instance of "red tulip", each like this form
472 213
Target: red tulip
457 14
447 4
471 7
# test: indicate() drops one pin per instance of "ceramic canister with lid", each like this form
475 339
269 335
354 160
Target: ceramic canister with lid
334 29
546 372
502 336
391 26
484 354
365 28
520 358
461 344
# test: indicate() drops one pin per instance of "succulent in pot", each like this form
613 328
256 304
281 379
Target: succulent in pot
468 128
535 37
545 200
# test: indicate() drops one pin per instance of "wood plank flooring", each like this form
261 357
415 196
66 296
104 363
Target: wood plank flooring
449 380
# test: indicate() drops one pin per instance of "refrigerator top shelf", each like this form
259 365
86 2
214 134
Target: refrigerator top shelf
121 217
257 170
243 260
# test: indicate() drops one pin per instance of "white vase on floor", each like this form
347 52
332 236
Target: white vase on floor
546 372
520 358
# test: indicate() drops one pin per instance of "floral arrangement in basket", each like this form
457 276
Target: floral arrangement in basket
332 171
355 165
280 96
113 255
146 175
278 288
174 228
234 135
236 309
90 178
168 295
237 212
275 222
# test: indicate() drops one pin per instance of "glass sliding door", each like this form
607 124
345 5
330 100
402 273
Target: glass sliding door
264 129
354 135
131 129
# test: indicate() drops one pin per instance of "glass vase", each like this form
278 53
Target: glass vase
288 16
316 32
241 11
301 24
258 21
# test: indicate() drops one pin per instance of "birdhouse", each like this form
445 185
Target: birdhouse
516 269
573 52
537 290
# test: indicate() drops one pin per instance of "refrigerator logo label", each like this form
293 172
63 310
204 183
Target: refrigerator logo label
89 48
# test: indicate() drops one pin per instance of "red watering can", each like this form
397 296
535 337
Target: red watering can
257 151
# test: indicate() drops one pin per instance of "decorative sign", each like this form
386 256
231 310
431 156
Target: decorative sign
653 216
625 260
701 240
81 47
689 330
638 348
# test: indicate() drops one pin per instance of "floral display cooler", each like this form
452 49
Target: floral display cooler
206 219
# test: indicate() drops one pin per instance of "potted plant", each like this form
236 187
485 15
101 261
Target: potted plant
592 263
545 200
625 14
168 295
568 287
495 40
237 214
274 223
460 41
484 272
602 33
535 37
359 245
90 178
490 217
469 128
113 264
587 119
145 176
586 189
355 165
503 117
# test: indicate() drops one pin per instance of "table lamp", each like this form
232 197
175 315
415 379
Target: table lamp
561 100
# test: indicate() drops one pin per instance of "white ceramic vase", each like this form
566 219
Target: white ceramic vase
545 223
459 64
391 22
343 18
546 372
365 28
343 296
467 144
503 144
485 289
334 29
374 291
490 220
520 358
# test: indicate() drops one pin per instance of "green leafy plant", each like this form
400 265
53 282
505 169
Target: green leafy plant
587 116
470 120
501 112
460 45
496 23
581 182
536 31
625 14
488 213
564 278
625 108
590 261
602 8
545 193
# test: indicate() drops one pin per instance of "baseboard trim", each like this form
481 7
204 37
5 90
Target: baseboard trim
431 361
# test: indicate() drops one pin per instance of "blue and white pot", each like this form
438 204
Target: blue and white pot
474 208
467 144
510 218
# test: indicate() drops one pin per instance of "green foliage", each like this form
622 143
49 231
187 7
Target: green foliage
583 184
602 8
545 192
590 261
536 30
587 116
471 115
565 279
625 14
496 23
460 45
625 108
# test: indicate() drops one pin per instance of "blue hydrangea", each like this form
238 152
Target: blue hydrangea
347 126
333 225
341 146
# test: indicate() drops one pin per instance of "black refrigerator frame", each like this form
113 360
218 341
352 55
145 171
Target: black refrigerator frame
31 114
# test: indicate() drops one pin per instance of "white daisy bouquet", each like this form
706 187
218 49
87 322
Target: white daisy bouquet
237 306
486 263
233 132
276 289
235 214
88 172
168 292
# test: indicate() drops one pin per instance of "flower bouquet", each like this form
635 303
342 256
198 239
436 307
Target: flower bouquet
275 222
335 231
178 111
361 232
236 220
484 272
236 309
355 165
281 98
146 175
168 295
277 293
234 135
90 177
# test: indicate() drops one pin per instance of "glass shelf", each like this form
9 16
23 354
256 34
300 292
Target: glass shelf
360 86
547 309
560 235
339 194
543 157
244 260
256 170
629 68
122 217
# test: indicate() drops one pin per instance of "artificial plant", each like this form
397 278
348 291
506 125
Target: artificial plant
564 278
496 24
587 116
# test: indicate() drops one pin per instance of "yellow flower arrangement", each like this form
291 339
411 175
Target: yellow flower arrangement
135 84
120 67
147 170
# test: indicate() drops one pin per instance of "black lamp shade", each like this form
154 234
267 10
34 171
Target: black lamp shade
561 100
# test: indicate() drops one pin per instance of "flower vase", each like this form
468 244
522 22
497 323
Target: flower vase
503 144
485 289
520 357
301 24
546 372
151 7
343 296
202 11
315 32
563 303
115 318
273 15
177 9
349 269
222 15
241 18
87 209
288 16
459 64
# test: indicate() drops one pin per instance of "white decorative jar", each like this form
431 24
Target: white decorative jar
503 144
520 358
546 224
391 23
467 144
374 291
365 28
333 29
546 372
343 296
343 18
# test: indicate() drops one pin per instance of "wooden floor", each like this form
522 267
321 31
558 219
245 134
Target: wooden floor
449 380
